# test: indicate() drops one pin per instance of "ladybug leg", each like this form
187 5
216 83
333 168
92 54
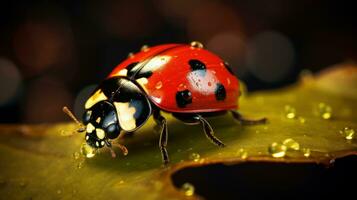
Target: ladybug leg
242 120
192 119
120 146
161 121
209 131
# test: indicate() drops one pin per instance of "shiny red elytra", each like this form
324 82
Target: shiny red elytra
206 82
185 80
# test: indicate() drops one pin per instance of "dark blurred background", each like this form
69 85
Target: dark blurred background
52 53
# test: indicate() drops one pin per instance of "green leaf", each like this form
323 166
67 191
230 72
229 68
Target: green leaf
37 162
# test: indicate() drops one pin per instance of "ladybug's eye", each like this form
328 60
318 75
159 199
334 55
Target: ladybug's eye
113 131
86 116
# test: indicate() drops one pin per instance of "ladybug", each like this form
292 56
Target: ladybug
185 80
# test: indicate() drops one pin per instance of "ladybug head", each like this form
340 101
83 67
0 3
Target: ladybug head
101 124
117 104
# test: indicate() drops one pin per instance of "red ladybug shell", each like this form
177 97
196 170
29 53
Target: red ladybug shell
182 78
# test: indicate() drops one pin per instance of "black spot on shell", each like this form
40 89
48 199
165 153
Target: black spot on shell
226 64
220 92
196 65
183 98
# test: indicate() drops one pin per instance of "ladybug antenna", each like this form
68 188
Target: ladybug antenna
71 115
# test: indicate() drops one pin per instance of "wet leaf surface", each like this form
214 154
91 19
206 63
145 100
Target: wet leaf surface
38 162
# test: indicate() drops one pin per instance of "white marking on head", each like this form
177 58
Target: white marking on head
98 120
100 133
95 98
90 128
89 112
126 115
87 137
102 142
97 143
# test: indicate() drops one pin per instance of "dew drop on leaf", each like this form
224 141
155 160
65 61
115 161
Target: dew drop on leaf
302 120
306 152
80 165
290 112
195 157
324 111
241 153
188 189
76 155
291 144
87 150
348 133
277 150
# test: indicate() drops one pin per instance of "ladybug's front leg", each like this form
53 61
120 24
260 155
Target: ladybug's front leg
244 121
161 121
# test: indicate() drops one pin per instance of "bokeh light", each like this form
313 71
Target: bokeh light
10 81
211 18
126 19
231 47
177 11
40 45
270 56
44 100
